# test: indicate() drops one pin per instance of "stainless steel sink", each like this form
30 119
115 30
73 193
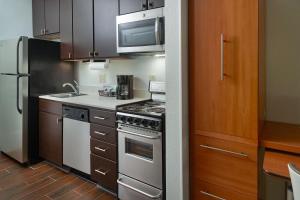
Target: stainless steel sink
66 95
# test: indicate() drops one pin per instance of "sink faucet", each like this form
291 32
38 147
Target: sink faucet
74 88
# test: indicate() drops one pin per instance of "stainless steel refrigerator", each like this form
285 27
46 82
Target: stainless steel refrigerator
28 68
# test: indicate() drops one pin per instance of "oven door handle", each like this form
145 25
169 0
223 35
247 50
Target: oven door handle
140 135
139 191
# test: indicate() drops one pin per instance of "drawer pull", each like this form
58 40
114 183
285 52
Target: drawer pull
100 149
224 151
211 195
101 172
99 133
100 118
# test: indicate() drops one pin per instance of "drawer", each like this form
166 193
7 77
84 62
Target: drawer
103 149
102 117
205 191
104 133
225 163
50 107
104 172
276 163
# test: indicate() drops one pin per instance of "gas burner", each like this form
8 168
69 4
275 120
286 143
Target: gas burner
156 110
151 108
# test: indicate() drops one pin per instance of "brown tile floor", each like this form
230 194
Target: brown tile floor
42 181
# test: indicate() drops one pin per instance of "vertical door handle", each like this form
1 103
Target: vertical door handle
222 57
157 31
58 120
70 55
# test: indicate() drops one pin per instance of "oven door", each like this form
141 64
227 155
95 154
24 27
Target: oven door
141 32
140 155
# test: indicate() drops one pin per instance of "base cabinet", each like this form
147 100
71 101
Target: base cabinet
50 137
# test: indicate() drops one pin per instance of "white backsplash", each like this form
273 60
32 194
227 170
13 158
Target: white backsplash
144 68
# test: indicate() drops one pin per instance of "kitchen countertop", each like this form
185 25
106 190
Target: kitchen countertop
93 101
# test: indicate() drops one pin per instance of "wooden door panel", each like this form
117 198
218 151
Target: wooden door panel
52 16
66 29
231 164
228 106
50 137
38 16
105 28
83 26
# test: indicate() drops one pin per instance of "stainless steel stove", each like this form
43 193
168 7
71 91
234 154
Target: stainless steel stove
141 147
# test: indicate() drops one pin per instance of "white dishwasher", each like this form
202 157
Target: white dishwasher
76 139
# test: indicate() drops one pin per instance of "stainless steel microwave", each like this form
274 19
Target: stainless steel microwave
141 32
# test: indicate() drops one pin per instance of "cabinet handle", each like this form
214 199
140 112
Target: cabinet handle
70 55
45 31
222 56
42 31
150 4
211 195
100 149
58 120
101 172
100 118
99 133
96 53
224 151
144 6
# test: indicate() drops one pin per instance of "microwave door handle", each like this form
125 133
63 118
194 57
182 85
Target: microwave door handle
157 31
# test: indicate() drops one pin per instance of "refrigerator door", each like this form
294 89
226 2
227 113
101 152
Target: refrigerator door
14 99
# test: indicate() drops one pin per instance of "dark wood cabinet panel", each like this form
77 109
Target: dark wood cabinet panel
38 17
105 28
130 6
50 107
50 137
103 117
83 34
104 133
104 172
66 29
104 150
51 16
155 4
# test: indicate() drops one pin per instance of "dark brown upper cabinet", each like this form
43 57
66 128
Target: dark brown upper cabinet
83 29
130 6
66 29
45 17
105 13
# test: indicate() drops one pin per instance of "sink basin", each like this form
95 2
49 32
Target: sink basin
66 95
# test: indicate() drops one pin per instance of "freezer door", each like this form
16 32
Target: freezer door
14 100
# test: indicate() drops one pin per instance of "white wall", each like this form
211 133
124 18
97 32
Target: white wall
177 101
144 68
283 60
15 18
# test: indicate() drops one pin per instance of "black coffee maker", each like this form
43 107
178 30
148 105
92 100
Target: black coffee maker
125 87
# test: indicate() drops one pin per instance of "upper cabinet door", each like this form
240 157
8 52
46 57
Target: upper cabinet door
105 28
38 16
83 34
223 71
52 16
66 29
155 4
130 6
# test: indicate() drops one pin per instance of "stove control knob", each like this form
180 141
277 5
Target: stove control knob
145 123
130 120
123 119
137 121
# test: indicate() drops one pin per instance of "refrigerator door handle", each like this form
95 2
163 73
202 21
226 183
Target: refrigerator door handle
18 53
18 91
